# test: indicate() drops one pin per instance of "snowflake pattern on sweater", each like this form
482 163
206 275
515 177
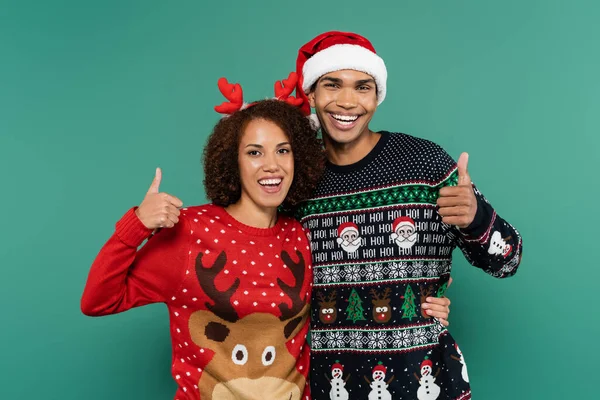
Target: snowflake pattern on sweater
238 299
379 249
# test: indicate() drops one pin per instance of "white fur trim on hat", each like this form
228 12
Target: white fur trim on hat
345 56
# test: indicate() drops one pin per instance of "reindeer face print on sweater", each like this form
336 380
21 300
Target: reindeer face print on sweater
251 358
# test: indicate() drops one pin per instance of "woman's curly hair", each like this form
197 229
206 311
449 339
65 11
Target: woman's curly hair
221 169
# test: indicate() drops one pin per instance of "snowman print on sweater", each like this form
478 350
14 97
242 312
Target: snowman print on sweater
460 359
338 385
379 387
498 245
428 389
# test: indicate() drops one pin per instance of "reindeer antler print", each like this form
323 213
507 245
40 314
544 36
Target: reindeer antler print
287 312
292 291
426 291
222 299
374 294
321 297
386 293
332 296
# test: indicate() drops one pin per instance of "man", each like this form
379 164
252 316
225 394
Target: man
410 204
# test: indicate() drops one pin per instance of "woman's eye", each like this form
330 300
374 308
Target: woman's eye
253 153
284 151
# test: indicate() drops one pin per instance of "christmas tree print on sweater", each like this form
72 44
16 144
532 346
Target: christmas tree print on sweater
409 307
355 311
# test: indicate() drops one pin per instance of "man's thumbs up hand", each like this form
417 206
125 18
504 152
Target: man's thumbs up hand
457 204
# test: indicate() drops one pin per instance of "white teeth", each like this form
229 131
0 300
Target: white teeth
345 118
269 182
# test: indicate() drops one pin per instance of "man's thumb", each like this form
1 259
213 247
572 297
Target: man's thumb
463 173
154 187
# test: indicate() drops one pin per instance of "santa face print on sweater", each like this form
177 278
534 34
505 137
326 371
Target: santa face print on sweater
250 353
404 233
349 237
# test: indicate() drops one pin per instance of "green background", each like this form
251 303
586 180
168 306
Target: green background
95 95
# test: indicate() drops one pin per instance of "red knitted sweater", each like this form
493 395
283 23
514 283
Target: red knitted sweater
238 299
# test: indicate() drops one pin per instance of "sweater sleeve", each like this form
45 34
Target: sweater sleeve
490 242
123 277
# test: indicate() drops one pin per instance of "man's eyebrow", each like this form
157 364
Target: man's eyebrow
364 81
334 80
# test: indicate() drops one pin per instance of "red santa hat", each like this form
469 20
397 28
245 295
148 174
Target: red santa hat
337 365
401 221
426 362
335 51
347 226
380 367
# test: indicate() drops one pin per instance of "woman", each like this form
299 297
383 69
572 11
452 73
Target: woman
235 274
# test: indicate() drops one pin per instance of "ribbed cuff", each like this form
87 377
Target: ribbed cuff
482 220
130 230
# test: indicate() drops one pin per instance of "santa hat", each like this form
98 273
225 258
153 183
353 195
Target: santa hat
337 365
426 362
380 367
401 221
335 51
347 226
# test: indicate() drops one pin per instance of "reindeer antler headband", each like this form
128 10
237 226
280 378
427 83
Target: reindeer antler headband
235 96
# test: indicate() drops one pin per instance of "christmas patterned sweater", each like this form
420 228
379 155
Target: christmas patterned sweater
237 298
379 249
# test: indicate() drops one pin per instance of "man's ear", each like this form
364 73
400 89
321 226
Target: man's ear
311 99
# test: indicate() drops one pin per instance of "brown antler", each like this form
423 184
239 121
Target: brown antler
374 294
285 87
222 299
386 293
426 291
233 93
292 291
332 296
321 298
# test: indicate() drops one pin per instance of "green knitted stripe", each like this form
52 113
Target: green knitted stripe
402 194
